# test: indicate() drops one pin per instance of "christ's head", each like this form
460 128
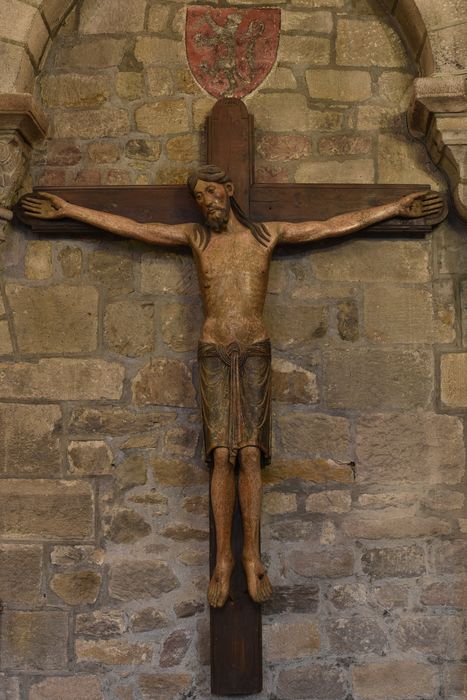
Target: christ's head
212 189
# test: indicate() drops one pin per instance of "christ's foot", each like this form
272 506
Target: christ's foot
259 586
219 586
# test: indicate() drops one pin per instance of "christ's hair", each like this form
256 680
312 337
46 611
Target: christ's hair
211 173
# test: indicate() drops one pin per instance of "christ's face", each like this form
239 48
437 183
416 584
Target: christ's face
213 198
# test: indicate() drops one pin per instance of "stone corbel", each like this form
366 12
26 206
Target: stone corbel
438 114
22 126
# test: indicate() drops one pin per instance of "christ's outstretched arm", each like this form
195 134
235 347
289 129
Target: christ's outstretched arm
410 206
49 206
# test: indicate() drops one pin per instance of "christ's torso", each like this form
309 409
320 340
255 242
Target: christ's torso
233 276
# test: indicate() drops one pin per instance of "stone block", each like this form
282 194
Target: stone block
304 50
164 382
182 441
319 682
347 321
158 17
367 378
34 641
448 557
17 68
441 499
344 145
129 85
368 43
295 328
399 524
43 509
321 563
289 642
38 263
114 420
6 346
275 503
20 574
176 473
455 681
136 580
162 117
292 383
78 687
439 635
100 624
397 562
62 379
146 150
77 587
183 148
147 620
392 595
74 90
168 274
100 53
90 458
356 635
347 595
318 471
400 315
315 433
401 680
325 120
430 449
30 439
129 328
373 261
174 648
16 21
59 318
445 593
333 171
304 22
279 147
164 686
112 17
152 49
376 116
279 112
201 108
160 81
71 555
112 652
287 530
329 502
449 47
302 598
71 261
181 326
454 379
91 123
9 688
127 526
113 268
338 85
402 160
181 532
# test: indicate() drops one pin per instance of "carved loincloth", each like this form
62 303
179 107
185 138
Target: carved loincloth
235 383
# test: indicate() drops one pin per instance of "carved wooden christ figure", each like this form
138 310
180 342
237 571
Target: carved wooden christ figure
233 256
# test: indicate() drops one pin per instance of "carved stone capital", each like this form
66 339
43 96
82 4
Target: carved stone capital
22 126
438 113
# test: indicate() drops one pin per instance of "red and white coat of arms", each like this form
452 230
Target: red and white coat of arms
231 51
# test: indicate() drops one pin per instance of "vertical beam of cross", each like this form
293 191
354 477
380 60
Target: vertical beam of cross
236 655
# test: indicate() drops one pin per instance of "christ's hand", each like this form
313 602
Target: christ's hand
46 206
420 204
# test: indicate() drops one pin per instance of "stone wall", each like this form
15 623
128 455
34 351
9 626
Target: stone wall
103 526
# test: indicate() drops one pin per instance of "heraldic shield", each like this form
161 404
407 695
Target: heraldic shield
231 51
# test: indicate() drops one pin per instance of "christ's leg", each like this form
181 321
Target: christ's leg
222 501
250 491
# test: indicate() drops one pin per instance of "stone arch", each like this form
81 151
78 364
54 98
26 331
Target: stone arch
25 37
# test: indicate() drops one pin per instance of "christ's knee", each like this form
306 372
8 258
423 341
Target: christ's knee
221 463
250 459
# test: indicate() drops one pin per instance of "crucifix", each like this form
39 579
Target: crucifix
232 226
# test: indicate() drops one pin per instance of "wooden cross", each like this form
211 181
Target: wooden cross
236 658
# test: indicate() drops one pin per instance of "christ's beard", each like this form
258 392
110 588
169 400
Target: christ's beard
218 219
